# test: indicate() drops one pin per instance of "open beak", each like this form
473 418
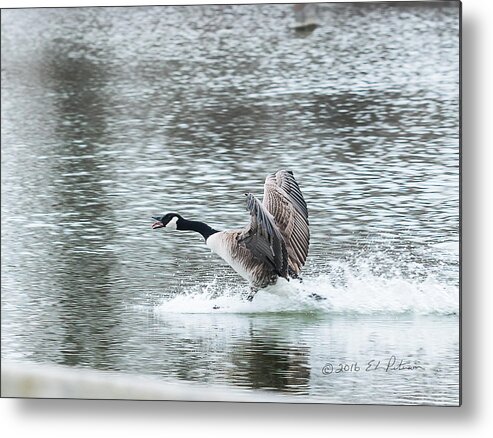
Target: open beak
157 224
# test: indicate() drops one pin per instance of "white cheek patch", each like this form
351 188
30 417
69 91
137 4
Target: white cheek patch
171 225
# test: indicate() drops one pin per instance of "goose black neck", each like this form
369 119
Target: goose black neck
199 227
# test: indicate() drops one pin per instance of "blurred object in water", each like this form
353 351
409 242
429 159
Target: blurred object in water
306 17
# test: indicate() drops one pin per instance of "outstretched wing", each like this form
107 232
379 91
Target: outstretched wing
284 201
263 238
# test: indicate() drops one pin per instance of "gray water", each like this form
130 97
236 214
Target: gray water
112 115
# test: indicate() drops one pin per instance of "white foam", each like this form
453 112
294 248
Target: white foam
351 290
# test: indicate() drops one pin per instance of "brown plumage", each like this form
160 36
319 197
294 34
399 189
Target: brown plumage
285 202
275 242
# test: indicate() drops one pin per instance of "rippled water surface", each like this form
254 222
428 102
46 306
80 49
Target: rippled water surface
112 115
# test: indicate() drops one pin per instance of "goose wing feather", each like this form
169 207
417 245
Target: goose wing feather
263 238
284 201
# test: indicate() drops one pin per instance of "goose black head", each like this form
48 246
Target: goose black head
169 220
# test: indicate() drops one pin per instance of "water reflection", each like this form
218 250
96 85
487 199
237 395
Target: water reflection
270 362
78 171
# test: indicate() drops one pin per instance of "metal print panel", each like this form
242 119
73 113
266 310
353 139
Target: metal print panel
133 264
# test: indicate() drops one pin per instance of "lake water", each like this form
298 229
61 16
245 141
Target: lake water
113 115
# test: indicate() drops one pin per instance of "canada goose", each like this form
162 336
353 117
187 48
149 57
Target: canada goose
275 242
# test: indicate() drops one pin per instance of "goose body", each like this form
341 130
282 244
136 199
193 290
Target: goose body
273 244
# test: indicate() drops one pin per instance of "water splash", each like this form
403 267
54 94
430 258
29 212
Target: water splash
361 286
